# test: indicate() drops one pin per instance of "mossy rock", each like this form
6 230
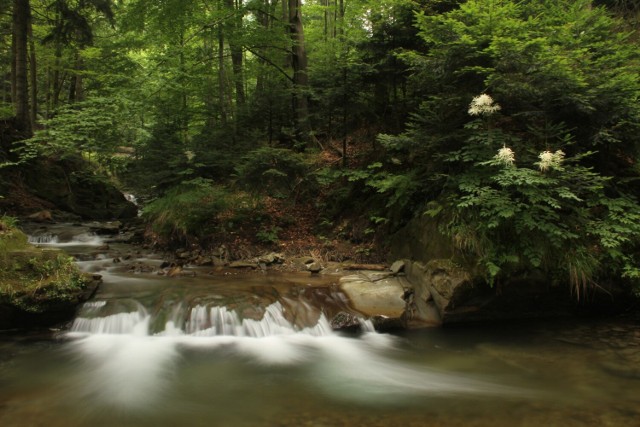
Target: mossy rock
37 287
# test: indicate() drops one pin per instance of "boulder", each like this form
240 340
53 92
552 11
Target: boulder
271 258
72 186
41 216
314 267
397 267
380 299
445 291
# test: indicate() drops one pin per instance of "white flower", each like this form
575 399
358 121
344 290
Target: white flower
549 160
190 155
506 156
483 105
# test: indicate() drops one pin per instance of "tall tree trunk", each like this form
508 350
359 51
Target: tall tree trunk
299 64
58 81
208 96
184 98
221 82
236 51
33 74
21 12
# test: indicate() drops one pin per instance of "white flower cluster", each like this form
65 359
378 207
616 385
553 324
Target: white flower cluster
483 105
506 156
189 155
549 160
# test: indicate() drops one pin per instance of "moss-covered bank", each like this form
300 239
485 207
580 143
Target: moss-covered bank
38 287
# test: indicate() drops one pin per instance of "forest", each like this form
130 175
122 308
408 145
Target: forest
512 126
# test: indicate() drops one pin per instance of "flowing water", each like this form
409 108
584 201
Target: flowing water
230 349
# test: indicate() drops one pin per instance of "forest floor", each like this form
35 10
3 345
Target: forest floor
295 234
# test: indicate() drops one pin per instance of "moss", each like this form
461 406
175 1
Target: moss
35 280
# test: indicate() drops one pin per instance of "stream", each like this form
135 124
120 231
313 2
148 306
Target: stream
221 348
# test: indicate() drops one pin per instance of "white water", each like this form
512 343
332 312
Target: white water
84 239
127 367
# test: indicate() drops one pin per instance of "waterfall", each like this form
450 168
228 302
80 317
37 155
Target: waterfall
45 239
84 239
220 321
202 322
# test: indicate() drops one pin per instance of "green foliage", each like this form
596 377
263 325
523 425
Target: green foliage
567 82
96 127
277 172
269 235
189 209
514 219
196 209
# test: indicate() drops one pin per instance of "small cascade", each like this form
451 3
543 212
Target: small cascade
217 321
131 198
98 317
135 323
92 319
84 239
45 239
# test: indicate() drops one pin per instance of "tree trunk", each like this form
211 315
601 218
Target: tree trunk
208 96
299 64
33 74
221 83
21 12
236 51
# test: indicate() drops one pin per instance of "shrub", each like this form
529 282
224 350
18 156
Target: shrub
197 208
276 172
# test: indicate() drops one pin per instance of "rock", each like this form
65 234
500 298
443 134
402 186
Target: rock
243 264
110 227
204 261
302 262
271 258
41 216
174 271
441 281
423 314
218 262
72 186
314 267
183 254
421 241
397 267
382 298
345 321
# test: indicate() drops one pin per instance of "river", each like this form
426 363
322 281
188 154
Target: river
233 349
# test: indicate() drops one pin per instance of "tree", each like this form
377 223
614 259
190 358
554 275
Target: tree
299 65
545 181
20 89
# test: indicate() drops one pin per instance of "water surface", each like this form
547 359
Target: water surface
258 350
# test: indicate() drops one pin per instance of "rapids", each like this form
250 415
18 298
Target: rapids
217 349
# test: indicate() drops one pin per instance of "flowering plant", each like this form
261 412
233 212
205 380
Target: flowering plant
483 105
